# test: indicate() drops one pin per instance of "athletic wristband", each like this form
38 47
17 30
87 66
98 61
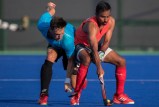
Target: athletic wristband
67 80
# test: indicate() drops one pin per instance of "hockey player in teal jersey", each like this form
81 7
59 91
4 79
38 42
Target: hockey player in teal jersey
60 37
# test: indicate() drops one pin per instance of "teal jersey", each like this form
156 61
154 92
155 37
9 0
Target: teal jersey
66 43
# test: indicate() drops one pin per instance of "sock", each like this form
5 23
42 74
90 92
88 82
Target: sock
46 75
81 76
120 79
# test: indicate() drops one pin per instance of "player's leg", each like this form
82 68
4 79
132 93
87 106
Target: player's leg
71 76
120 74
46 74
74 72
84 57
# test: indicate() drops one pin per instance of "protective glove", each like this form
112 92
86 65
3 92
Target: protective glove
101 55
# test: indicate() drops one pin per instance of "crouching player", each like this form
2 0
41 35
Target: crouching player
60 37
92 44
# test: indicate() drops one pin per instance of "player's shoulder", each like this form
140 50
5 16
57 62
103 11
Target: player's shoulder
111 20
91 21
69 30
46 13
91 25
69 27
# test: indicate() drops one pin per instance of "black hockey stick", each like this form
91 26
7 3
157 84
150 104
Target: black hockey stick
106 101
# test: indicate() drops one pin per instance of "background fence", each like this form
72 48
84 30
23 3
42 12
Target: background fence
137 22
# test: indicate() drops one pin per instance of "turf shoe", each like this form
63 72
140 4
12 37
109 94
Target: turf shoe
43 99
122 99
75 99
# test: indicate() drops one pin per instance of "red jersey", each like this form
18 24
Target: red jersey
81 36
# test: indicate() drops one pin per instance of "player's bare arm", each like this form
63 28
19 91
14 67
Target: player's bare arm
91 30
69 67
108 35
67 85
51 8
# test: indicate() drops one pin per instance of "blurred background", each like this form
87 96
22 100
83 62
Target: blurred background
22 53
137 23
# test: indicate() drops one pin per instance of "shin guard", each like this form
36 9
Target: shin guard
120 79
46 75
81 76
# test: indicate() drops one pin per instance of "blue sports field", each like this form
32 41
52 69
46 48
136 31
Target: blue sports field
20 82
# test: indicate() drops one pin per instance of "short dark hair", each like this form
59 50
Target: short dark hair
102 6
57 22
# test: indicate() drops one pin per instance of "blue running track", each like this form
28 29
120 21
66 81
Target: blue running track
20 84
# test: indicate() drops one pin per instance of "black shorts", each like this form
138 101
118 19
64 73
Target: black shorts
79 48
61 53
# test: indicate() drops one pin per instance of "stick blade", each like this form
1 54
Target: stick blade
108 102
101 79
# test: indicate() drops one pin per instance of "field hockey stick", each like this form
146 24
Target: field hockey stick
106 101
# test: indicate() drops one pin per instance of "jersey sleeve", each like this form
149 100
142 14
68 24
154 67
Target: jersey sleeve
44 23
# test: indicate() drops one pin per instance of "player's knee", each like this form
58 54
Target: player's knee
75 71
51 58
86 60
121 61
51 55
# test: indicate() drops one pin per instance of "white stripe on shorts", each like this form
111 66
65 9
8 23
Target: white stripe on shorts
106 53
78 53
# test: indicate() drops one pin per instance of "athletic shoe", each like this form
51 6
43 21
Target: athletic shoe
85 84
75 99
122 99
43 99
